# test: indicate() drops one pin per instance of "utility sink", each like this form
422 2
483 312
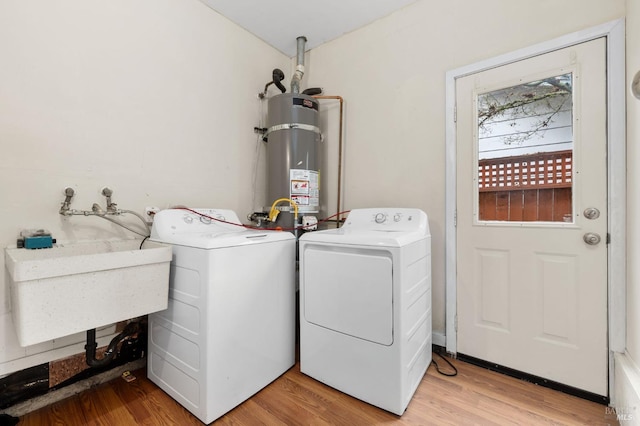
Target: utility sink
79 286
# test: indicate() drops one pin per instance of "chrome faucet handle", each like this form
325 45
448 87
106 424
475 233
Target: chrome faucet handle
111 207
68 195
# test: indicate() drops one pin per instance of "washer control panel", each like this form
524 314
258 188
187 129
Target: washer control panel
386 219
183 221
206 216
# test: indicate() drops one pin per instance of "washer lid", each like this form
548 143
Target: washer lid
208 229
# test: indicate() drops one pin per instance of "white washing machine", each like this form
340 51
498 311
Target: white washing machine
365 305
229 329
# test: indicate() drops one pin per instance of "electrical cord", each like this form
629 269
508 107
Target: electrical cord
255 227
444 373
143 240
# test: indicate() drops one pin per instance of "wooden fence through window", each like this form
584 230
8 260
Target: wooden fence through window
535 187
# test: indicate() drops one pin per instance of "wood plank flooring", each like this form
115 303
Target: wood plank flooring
474 397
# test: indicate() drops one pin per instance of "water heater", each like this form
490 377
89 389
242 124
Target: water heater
293 155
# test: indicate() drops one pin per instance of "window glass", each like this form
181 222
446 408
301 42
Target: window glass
525 152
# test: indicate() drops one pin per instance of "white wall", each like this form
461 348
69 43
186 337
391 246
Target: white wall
392 74
155 99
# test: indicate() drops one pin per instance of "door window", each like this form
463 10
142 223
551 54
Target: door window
525 152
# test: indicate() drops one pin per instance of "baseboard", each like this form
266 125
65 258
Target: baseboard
626 397
439 339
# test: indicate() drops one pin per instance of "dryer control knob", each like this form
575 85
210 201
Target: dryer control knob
397 217
380 217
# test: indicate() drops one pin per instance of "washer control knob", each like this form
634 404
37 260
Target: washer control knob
188 219
380 218
205 220
397 217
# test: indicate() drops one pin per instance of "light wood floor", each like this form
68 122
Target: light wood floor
474 397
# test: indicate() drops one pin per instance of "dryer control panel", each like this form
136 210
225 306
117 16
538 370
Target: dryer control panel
387 219
182 221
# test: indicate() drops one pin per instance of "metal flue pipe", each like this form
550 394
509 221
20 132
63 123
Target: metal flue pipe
297 75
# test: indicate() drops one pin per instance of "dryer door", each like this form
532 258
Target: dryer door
349 291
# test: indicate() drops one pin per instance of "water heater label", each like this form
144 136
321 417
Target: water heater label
305 103
305 188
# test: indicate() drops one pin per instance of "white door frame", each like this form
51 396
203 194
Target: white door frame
614 31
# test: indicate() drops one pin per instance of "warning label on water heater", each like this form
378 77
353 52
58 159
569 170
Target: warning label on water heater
305 188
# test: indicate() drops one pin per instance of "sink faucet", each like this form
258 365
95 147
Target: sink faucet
68 193
96 210
111 207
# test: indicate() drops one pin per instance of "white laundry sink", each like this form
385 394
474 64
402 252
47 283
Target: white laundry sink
79 286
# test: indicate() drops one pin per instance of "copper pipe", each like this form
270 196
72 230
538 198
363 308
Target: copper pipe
339 155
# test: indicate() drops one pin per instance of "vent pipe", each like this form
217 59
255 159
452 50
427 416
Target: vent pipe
297 76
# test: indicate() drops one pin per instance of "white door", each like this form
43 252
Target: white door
531 205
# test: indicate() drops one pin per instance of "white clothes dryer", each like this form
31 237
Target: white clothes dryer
229 329
365 305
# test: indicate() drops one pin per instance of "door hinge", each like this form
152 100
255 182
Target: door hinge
455 323
608 238
455 114
455 219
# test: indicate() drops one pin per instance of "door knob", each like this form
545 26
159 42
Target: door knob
591 238
591 213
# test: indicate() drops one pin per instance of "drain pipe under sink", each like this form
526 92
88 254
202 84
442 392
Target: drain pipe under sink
110 354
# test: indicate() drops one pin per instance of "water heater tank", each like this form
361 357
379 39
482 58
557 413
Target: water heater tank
293 155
